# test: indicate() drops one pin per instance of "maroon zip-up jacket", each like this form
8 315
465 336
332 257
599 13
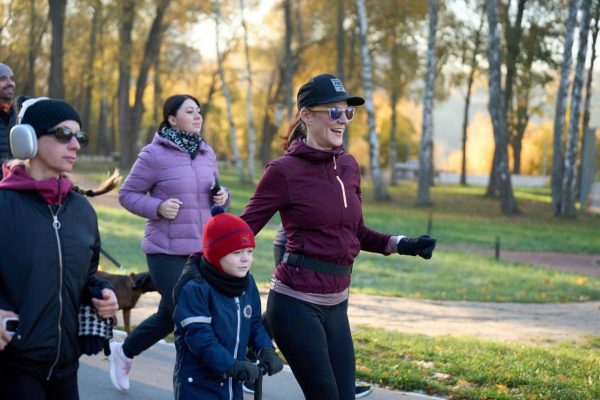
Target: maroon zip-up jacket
317 193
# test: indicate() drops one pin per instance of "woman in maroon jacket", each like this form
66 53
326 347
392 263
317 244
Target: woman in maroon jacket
315 187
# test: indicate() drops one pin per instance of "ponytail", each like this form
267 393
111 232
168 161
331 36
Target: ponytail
109 184
296 130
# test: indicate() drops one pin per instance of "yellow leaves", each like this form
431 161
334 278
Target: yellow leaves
582 280
501 388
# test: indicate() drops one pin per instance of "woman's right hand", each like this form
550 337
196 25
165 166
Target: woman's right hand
5 338
169 208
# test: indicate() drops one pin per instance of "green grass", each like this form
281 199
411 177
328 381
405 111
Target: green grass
460 216
472 369
462 368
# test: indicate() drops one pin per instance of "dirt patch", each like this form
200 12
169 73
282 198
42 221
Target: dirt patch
509 322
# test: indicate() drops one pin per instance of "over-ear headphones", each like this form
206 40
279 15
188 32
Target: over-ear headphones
23 139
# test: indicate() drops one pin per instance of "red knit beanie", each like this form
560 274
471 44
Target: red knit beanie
224 233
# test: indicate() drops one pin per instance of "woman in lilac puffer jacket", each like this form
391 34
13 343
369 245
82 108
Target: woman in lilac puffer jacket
171 185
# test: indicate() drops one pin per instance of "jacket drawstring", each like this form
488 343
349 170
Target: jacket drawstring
341 183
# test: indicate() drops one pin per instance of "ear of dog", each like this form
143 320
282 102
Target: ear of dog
143 282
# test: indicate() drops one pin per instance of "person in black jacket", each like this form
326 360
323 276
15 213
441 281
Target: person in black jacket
50 252
8 116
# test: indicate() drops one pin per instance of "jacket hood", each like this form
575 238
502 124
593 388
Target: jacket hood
52 190
299 148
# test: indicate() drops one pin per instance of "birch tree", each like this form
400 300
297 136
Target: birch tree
380 192
426 149
567 205
508 204
249 115
590 73
225 88
561 108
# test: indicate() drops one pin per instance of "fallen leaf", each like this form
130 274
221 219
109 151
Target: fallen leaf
581 280
440 376
501 388
425 364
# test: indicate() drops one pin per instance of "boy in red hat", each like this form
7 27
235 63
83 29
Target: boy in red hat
217 315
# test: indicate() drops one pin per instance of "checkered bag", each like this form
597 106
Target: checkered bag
94 330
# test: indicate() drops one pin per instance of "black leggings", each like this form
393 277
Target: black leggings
317 343
21 385
165 271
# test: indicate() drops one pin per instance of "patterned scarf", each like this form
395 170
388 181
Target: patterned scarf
187 141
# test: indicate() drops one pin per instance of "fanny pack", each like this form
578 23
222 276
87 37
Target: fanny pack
300 260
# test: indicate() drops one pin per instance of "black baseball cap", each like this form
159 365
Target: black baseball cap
324 89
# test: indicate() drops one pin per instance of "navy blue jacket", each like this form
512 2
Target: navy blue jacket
213 330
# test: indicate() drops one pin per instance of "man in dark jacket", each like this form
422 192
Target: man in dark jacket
8 116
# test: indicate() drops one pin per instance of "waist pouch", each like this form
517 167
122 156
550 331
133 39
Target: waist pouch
300 260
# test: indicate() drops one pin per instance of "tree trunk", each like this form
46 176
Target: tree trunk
56 83
470 81
426 150
88 73
567 208
393 146
380 192
340 54
274 108
561 107
249 114
151 51
104 139
508 204
34 44
125 53
588 90
232 131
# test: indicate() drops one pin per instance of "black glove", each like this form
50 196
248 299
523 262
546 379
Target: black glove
243 371
271 360
422 246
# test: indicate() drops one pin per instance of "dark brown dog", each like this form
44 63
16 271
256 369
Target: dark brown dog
128 288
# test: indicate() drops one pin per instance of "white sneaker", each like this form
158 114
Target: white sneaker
119 366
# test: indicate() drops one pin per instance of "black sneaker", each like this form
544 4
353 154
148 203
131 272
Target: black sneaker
248 387
362 390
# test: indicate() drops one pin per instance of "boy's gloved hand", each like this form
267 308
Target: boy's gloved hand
268 357
243 371
422 246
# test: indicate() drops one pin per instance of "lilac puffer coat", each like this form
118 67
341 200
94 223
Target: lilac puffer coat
162 171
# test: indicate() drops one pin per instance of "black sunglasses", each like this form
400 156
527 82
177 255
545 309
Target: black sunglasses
64 135
335 113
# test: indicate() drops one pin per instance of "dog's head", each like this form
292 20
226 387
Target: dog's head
142 282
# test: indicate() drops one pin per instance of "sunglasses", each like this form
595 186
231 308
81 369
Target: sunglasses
64 135
335 113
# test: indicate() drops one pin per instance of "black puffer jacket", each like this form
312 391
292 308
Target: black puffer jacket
7 121
49 255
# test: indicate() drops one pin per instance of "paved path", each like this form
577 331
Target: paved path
151 379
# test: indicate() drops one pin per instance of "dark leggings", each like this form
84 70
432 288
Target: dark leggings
317 343
23 386
165 271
